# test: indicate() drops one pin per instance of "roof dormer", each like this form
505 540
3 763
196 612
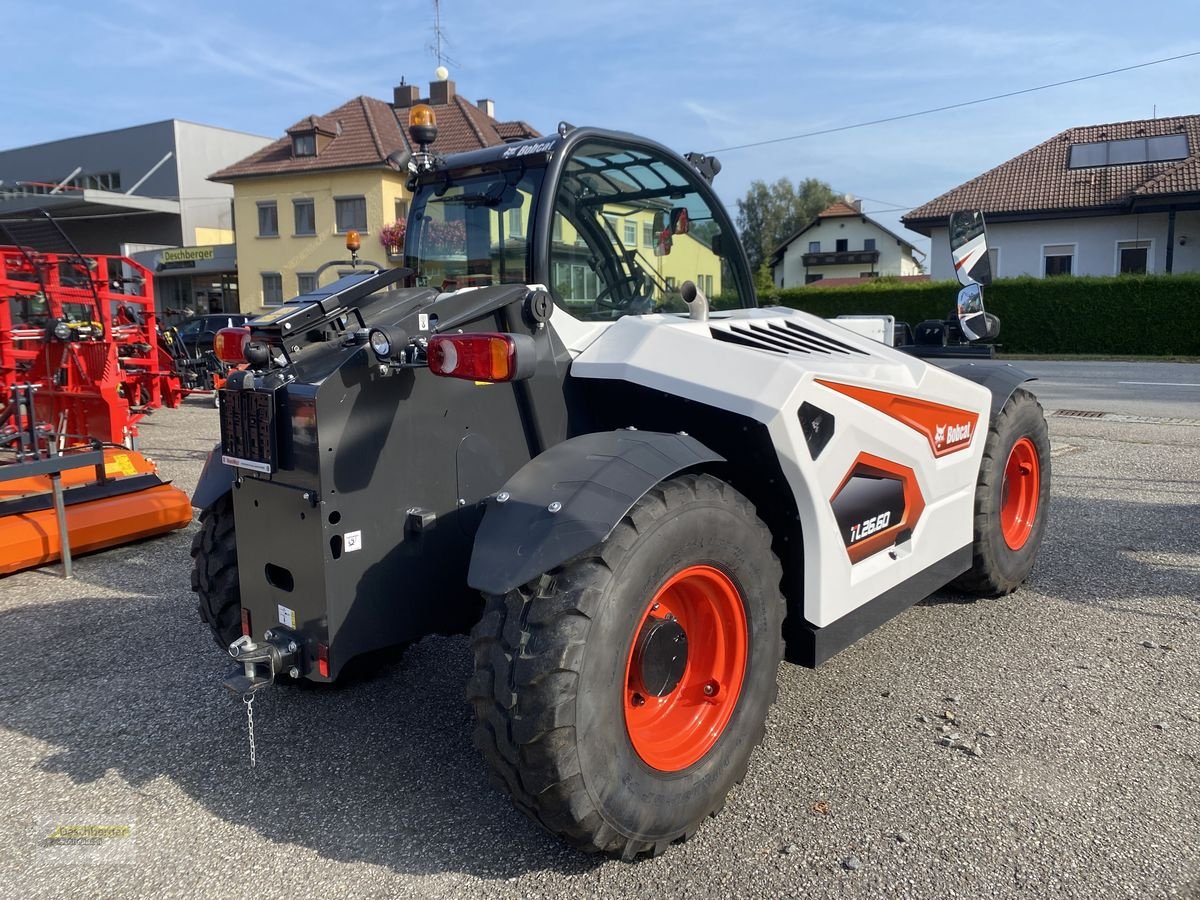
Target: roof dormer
311 135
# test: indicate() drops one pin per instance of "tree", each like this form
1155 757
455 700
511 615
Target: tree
770 214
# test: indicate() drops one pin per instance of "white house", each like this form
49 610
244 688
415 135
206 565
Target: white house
1095 200
842 243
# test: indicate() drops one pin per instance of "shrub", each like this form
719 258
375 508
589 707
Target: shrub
1131 314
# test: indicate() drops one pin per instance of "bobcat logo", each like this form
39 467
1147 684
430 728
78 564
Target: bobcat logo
949 435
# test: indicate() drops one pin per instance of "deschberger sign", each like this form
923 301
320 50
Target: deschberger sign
187 254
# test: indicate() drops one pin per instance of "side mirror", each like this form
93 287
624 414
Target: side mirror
679 220
975 322
968 247
662 235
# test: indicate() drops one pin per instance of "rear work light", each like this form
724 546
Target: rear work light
229 344
482 357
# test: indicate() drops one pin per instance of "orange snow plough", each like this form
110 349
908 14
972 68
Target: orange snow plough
80 365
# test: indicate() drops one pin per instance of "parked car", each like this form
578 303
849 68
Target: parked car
197 333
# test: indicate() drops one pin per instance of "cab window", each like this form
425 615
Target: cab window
630 226
473 232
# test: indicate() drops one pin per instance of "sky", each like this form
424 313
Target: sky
701 75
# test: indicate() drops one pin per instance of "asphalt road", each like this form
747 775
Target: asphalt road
1082 690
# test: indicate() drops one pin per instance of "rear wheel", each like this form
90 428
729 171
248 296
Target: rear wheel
1011 499
619 698
215 572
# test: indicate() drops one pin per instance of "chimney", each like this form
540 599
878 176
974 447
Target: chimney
404 95
488 107
441 92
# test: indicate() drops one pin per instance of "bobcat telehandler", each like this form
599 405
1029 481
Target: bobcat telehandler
566 425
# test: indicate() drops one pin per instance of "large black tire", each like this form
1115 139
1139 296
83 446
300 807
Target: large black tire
553 662
1002 561
215 572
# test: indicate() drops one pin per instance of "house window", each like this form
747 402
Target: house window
556 228
843 244
630 233
648 234
869 244
1058 259
272 288
306 282
268 219
514 222
814 246
812 276
670 279
868 274
304 144
306 216
1133 257
401 210
351 213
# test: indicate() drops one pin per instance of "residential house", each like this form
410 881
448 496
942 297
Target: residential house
135 191
842 243
296 199
1095 200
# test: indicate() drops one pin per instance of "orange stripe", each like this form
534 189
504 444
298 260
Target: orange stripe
947 428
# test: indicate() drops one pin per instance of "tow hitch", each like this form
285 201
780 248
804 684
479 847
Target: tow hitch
260 664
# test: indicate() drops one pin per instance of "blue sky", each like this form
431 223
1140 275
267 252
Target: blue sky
699 75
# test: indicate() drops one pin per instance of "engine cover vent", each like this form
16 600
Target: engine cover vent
781 336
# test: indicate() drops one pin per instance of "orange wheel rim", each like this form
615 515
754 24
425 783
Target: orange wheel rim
676 709
1019 493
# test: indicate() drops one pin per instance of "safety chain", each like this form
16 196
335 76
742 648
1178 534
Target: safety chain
248 699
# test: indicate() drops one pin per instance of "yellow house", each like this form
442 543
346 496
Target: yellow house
295 199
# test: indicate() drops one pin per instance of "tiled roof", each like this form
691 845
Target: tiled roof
314 123
515 131
366 131
1039 180
838 209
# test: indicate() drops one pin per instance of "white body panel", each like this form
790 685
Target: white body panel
681 357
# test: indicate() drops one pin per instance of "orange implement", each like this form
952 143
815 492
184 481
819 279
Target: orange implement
130 503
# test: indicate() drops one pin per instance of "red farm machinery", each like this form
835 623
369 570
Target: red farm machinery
82 360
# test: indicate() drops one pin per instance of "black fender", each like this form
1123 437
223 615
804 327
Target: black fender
999 378
569 499
216 480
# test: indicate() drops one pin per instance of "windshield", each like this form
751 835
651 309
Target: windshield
630 227
474 231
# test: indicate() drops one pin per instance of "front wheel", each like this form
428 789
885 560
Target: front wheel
1011 499
618 699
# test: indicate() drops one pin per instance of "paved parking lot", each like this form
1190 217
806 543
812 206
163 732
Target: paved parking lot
1082 690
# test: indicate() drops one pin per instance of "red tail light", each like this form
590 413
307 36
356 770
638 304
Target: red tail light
482 357
323 660
229 344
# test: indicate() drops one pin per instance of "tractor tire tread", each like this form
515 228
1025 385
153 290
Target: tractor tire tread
528 647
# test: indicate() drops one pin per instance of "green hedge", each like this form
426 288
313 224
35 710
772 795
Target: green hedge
1147 315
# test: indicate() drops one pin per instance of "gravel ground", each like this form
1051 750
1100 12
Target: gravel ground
1081 693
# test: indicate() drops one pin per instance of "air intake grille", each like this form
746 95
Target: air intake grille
782 337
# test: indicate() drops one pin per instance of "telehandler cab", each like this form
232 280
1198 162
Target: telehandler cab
567 424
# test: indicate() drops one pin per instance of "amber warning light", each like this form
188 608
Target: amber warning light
422 125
